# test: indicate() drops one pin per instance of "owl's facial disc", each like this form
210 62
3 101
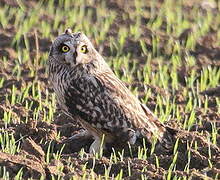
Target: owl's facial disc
74 53
72 49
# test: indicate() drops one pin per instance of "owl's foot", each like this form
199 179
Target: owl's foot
96 146
82 134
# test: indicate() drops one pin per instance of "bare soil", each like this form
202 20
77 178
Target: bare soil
35 137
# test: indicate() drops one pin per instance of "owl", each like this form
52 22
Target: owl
87 90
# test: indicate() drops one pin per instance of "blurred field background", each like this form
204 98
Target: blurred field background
167 52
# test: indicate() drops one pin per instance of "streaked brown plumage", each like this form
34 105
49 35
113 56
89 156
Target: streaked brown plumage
88 90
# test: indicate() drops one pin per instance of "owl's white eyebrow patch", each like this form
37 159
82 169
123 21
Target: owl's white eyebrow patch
70 44
67 41
74 41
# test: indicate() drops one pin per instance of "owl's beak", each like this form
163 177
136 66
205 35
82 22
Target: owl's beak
74 57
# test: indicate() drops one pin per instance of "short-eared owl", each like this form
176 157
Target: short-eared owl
89 91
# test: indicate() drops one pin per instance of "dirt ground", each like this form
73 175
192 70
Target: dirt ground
38 135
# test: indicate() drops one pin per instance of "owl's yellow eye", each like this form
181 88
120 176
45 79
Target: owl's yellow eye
65 48
84 49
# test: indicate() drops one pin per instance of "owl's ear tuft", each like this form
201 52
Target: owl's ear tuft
68 31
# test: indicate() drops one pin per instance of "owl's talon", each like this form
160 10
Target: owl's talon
96 146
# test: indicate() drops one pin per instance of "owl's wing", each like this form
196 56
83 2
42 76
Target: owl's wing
141 117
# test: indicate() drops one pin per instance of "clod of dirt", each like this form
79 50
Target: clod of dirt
43 130
212 92
54 170
185 35
31 148
14 163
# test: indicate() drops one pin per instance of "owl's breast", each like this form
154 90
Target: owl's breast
60 81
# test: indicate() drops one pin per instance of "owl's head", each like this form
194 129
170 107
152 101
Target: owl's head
72 49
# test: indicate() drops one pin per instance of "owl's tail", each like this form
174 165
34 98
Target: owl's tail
166 143
165 134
